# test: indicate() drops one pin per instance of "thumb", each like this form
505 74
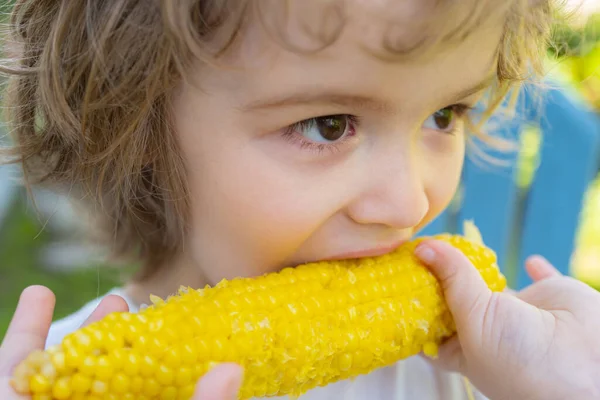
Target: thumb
466 293
222 382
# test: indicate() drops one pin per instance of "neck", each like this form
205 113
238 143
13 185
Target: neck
166 281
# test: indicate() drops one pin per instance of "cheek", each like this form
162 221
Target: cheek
247 208
444 159
250 209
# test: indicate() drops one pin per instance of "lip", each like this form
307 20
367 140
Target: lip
372 252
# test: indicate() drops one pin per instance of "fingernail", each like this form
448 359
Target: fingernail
425 253
235 384
536 258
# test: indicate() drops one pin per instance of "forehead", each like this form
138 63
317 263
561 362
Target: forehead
421 47
388 28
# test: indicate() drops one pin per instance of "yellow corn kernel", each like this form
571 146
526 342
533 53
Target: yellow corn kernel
61 389
292 331
40 384
99 388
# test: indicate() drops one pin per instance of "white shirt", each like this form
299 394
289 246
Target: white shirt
411 379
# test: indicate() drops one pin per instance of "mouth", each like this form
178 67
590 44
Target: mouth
370 252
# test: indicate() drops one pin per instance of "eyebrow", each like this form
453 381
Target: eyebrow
352 101
480 87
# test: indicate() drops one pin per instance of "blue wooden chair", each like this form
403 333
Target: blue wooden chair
542 218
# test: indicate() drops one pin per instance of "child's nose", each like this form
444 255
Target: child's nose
394 196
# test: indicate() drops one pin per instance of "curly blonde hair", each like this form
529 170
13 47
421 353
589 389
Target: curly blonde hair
90 85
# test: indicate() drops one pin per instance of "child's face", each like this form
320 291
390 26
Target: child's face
378 156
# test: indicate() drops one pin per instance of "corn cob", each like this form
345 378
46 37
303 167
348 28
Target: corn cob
292 331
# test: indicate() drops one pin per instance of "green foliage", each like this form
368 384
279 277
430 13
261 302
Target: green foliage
569 40
21 238
578 63
577 52
586 260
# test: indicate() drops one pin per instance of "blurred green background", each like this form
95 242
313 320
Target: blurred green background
576 57
30 247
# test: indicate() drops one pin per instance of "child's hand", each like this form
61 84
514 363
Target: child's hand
29 328
541 343
221 383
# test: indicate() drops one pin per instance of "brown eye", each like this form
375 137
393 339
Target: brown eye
332 128
442 120
326 129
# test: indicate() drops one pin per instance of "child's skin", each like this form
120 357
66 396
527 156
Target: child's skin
262 199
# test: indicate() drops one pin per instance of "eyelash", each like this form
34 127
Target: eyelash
291 133
460 111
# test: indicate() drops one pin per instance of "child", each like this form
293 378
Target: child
217 139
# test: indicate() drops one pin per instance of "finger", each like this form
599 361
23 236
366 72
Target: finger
223 382
109 304
466 293
29 327
538 268
7 392
450 356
